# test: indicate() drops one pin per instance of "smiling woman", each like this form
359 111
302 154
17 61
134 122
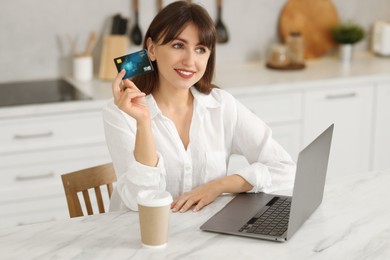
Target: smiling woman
183 56
174 130
166 27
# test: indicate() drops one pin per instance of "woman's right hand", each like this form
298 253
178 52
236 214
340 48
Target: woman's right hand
129 98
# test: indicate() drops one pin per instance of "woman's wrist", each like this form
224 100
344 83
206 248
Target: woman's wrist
144 124
144 151
232 184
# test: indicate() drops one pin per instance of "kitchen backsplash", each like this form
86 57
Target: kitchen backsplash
34 35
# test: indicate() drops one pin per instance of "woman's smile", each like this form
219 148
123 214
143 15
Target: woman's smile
186 74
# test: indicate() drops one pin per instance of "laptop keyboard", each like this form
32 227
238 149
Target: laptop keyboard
273 221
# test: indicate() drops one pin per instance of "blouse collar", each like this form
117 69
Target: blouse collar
204 101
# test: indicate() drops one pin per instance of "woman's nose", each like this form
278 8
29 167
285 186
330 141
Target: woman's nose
189 58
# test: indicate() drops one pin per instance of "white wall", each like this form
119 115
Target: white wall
33 41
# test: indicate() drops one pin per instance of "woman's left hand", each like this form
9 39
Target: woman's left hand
199 197
205 194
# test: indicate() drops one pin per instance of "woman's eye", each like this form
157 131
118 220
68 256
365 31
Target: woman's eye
177 45
201 50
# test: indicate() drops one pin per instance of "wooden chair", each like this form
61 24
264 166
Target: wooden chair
81 181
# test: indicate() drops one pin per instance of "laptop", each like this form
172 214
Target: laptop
274 217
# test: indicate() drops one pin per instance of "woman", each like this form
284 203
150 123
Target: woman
173 130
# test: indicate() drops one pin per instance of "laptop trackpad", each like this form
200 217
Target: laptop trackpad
237 212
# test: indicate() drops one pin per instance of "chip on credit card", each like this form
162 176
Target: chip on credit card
135 64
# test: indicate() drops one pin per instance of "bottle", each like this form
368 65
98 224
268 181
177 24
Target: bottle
296 49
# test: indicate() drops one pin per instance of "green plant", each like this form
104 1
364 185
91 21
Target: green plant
347 33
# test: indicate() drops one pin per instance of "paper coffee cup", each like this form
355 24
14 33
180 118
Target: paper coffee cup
82 68
154 208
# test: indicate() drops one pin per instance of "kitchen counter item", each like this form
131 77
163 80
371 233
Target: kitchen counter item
91 43
381 38
136 34
313 19
119 25
160 5
113 46
222 33
37 92
83 67
295 47
280 58
290 66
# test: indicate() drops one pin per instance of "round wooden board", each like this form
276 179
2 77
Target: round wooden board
313 19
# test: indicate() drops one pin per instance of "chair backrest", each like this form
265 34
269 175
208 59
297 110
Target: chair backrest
81 181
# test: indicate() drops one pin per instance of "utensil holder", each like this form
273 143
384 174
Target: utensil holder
83 68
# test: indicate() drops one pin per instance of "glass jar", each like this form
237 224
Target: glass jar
295 47
279 56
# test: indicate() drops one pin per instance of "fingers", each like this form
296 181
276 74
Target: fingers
130 84
177 204
127 97
130 94
199 206
117 83
185 203
124 90
197 198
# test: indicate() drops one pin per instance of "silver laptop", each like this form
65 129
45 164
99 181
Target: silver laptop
274 217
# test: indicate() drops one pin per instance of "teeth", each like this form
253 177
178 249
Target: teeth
187 73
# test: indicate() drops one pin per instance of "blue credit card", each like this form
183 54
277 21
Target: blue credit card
135 64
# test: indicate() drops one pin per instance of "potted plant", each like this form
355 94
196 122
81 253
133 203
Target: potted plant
347 34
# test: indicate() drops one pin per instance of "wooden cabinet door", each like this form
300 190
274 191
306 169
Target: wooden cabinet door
350 109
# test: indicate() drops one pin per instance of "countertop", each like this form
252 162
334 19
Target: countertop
255 77
238 79
351 223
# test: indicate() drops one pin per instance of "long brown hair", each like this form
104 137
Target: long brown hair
166 26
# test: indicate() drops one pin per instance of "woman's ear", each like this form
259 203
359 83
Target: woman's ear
151 49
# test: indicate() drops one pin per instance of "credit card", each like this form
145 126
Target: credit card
135 64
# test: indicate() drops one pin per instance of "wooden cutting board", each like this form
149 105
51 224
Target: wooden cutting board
313 19
113 46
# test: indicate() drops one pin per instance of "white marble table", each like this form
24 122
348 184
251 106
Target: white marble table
353 222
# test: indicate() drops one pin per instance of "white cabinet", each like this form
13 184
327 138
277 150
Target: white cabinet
35 151
381 158
282 111
350 109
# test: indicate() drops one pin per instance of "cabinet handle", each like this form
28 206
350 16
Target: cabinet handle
340 96
34 177
38 135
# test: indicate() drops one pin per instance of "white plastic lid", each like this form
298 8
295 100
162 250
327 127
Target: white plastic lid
154 198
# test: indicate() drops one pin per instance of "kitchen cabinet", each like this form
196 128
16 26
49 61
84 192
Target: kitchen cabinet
35 151
350 108
381 149
297 117
282 111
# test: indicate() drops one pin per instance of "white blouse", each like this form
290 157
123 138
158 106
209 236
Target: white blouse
221 126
